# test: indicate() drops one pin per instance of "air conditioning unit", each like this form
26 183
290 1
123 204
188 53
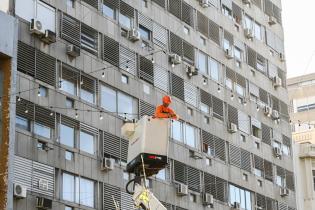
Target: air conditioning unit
107 164
195 154
284 191
175 59
191 71
36 27
204 3
49 37
277 151
281 57
275 115
232 128
73 50
19 191
208 199
229 53
277 81
43 203
134 35
267 111
248 32
43 184
247 1
182 189
236 205
272 20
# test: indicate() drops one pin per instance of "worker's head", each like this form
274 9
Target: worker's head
167 101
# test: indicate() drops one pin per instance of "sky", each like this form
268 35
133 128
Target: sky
299 34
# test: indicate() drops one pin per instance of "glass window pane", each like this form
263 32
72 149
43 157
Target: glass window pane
68 187
86 192
87 96
237 53
214 69
125 105
190 136
25 9
108 11
248 22
202 63
108 99
125 21
248 201
257 29
177 130
243 201
68 87
240 90
237 195
42 130
22 122
144 32
46 15
87 142
232 194
229 84
204 108
161 174
66 135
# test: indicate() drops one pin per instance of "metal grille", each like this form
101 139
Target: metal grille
262 61
282 206
260 201
280 172
209 184
270 204
263 95
283 76
275 103
251 58
175 8
286 140
235 156
161 3
69 73
240 80
70 29
220 148
45 68
284 109
124 149
208 139
246 160
188 51
253 89
205 98
268 170
44 117
110 51
187 14
221 187
289 178
178 87
69 121
217 107
232 115
243 122
176 44
258 163
202 24
190 92
229 37
89 33
45 172
256 122
230 74
111 3
127 60
109 192
268 7
146 69
227 3
145 108
266 137
214 32
126 201
145 21
89 129
89 84
22 172
161 78
93 3
180 173
126 9
111 145
167 205
22 106
160 35
26 59
237 12
193 179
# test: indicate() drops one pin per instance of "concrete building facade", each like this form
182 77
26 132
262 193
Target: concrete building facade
84 67
301 94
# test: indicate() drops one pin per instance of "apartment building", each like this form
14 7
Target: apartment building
85 67
301 96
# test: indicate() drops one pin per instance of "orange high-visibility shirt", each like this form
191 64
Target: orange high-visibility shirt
164 112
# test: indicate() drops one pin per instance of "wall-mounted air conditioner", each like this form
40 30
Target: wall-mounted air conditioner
175 59
73 50
236 205
232 128
19 191
36 27
248 32
49 37
43 203
195 154
204 3
267 111
277 81
272 20
182 189
43 184
133 35
107 164
275 115
191 71
207 199
284 191
229 54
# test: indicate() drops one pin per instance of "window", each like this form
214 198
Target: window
226 11
161 175
87 95
186 30
192 197
68 208
226 45
208 162
66 135
29 9
208 149
248 22
43 91
177 130
229 83
87 142
214 69
241 196
125 105
243 138
69 103
124 79
206 119
204 108
190 135
257 31
22 123
144 33
202 62
108 11
77 189
238 54
280 181
69 155
68 86
286 150
258 172
125 21
190 111
89 39
42 130
245 177
70 3
203 41
240 90
108 99
256 131
260 64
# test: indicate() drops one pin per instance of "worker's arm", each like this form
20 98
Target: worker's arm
172 114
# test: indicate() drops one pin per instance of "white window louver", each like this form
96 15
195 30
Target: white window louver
190 92
161 78
160 35
127 58
243 122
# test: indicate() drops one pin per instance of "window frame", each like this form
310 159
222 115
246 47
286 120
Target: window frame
93 139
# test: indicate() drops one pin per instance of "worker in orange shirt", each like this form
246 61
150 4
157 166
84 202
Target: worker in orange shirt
164 111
